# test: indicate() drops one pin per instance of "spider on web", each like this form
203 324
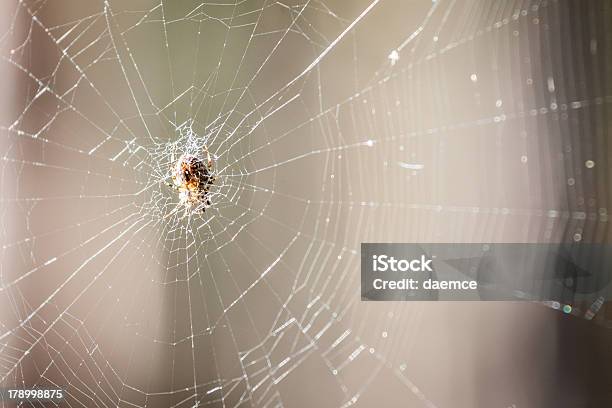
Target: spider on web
192 177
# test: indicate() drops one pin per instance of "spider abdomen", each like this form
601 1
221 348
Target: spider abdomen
193 177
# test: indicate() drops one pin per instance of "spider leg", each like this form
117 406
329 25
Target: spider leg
209 162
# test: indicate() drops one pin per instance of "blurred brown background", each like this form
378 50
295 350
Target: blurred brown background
501 108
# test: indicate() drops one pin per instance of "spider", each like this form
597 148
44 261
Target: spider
192 177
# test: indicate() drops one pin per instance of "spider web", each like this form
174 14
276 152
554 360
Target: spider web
327 130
